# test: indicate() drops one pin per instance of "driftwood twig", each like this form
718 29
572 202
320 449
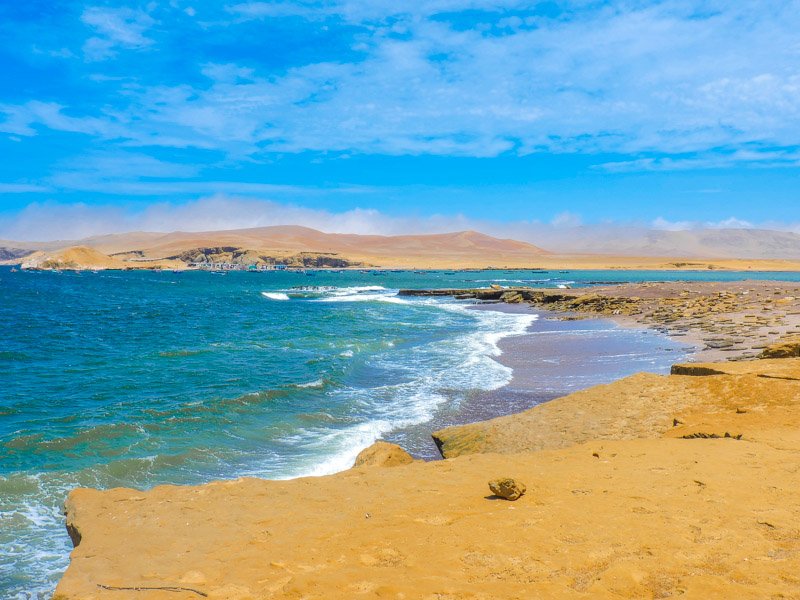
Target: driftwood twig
139 588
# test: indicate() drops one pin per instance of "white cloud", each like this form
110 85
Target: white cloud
20 120
730 223
566 219
662 224
115 28
639 78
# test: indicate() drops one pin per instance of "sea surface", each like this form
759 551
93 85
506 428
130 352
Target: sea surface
142 378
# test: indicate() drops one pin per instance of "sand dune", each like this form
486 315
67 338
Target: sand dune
84 258
374 249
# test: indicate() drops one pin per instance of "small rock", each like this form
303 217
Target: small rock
507 488
383 454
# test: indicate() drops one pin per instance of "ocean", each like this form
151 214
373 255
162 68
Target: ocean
141 378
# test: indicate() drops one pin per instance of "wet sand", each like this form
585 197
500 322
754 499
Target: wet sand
554 358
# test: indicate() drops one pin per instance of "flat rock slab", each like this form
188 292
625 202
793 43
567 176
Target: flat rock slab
614 519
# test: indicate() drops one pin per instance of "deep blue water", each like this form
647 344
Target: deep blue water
141 378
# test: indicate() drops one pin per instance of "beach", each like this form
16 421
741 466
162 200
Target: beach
487 375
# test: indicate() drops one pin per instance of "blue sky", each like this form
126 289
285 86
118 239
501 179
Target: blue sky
378 116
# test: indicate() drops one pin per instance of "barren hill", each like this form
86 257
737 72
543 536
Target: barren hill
297 246
304 246
75 257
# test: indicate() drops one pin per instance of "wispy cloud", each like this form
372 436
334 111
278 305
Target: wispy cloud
115 28
126 173
23 119
22 188
662 81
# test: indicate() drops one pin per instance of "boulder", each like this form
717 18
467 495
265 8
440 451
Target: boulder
786 348
507 488
383 454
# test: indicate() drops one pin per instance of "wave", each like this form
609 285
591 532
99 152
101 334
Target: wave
275 295
318 383
433 374
391 298
327 293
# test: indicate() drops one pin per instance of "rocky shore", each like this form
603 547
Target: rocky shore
724 321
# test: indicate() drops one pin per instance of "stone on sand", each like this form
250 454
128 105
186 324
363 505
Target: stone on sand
507 488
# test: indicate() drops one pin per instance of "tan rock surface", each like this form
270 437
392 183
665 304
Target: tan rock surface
673 513
383 454
630 519
785 348
640 406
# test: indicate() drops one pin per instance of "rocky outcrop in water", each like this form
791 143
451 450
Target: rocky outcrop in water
734 320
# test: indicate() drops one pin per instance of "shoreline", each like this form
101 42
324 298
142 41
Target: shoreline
652 486
551 359
691 474
487 428
723 321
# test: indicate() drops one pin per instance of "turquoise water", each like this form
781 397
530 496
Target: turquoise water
140 378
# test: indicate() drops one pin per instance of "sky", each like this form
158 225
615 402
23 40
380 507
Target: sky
373 116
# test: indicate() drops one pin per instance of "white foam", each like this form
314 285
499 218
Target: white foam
275 295
389 297
436 372
311 384
344 291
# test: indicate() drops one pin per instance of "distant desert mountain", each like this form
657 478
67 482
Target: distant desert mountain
304 239
294 246
694 243
579 247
